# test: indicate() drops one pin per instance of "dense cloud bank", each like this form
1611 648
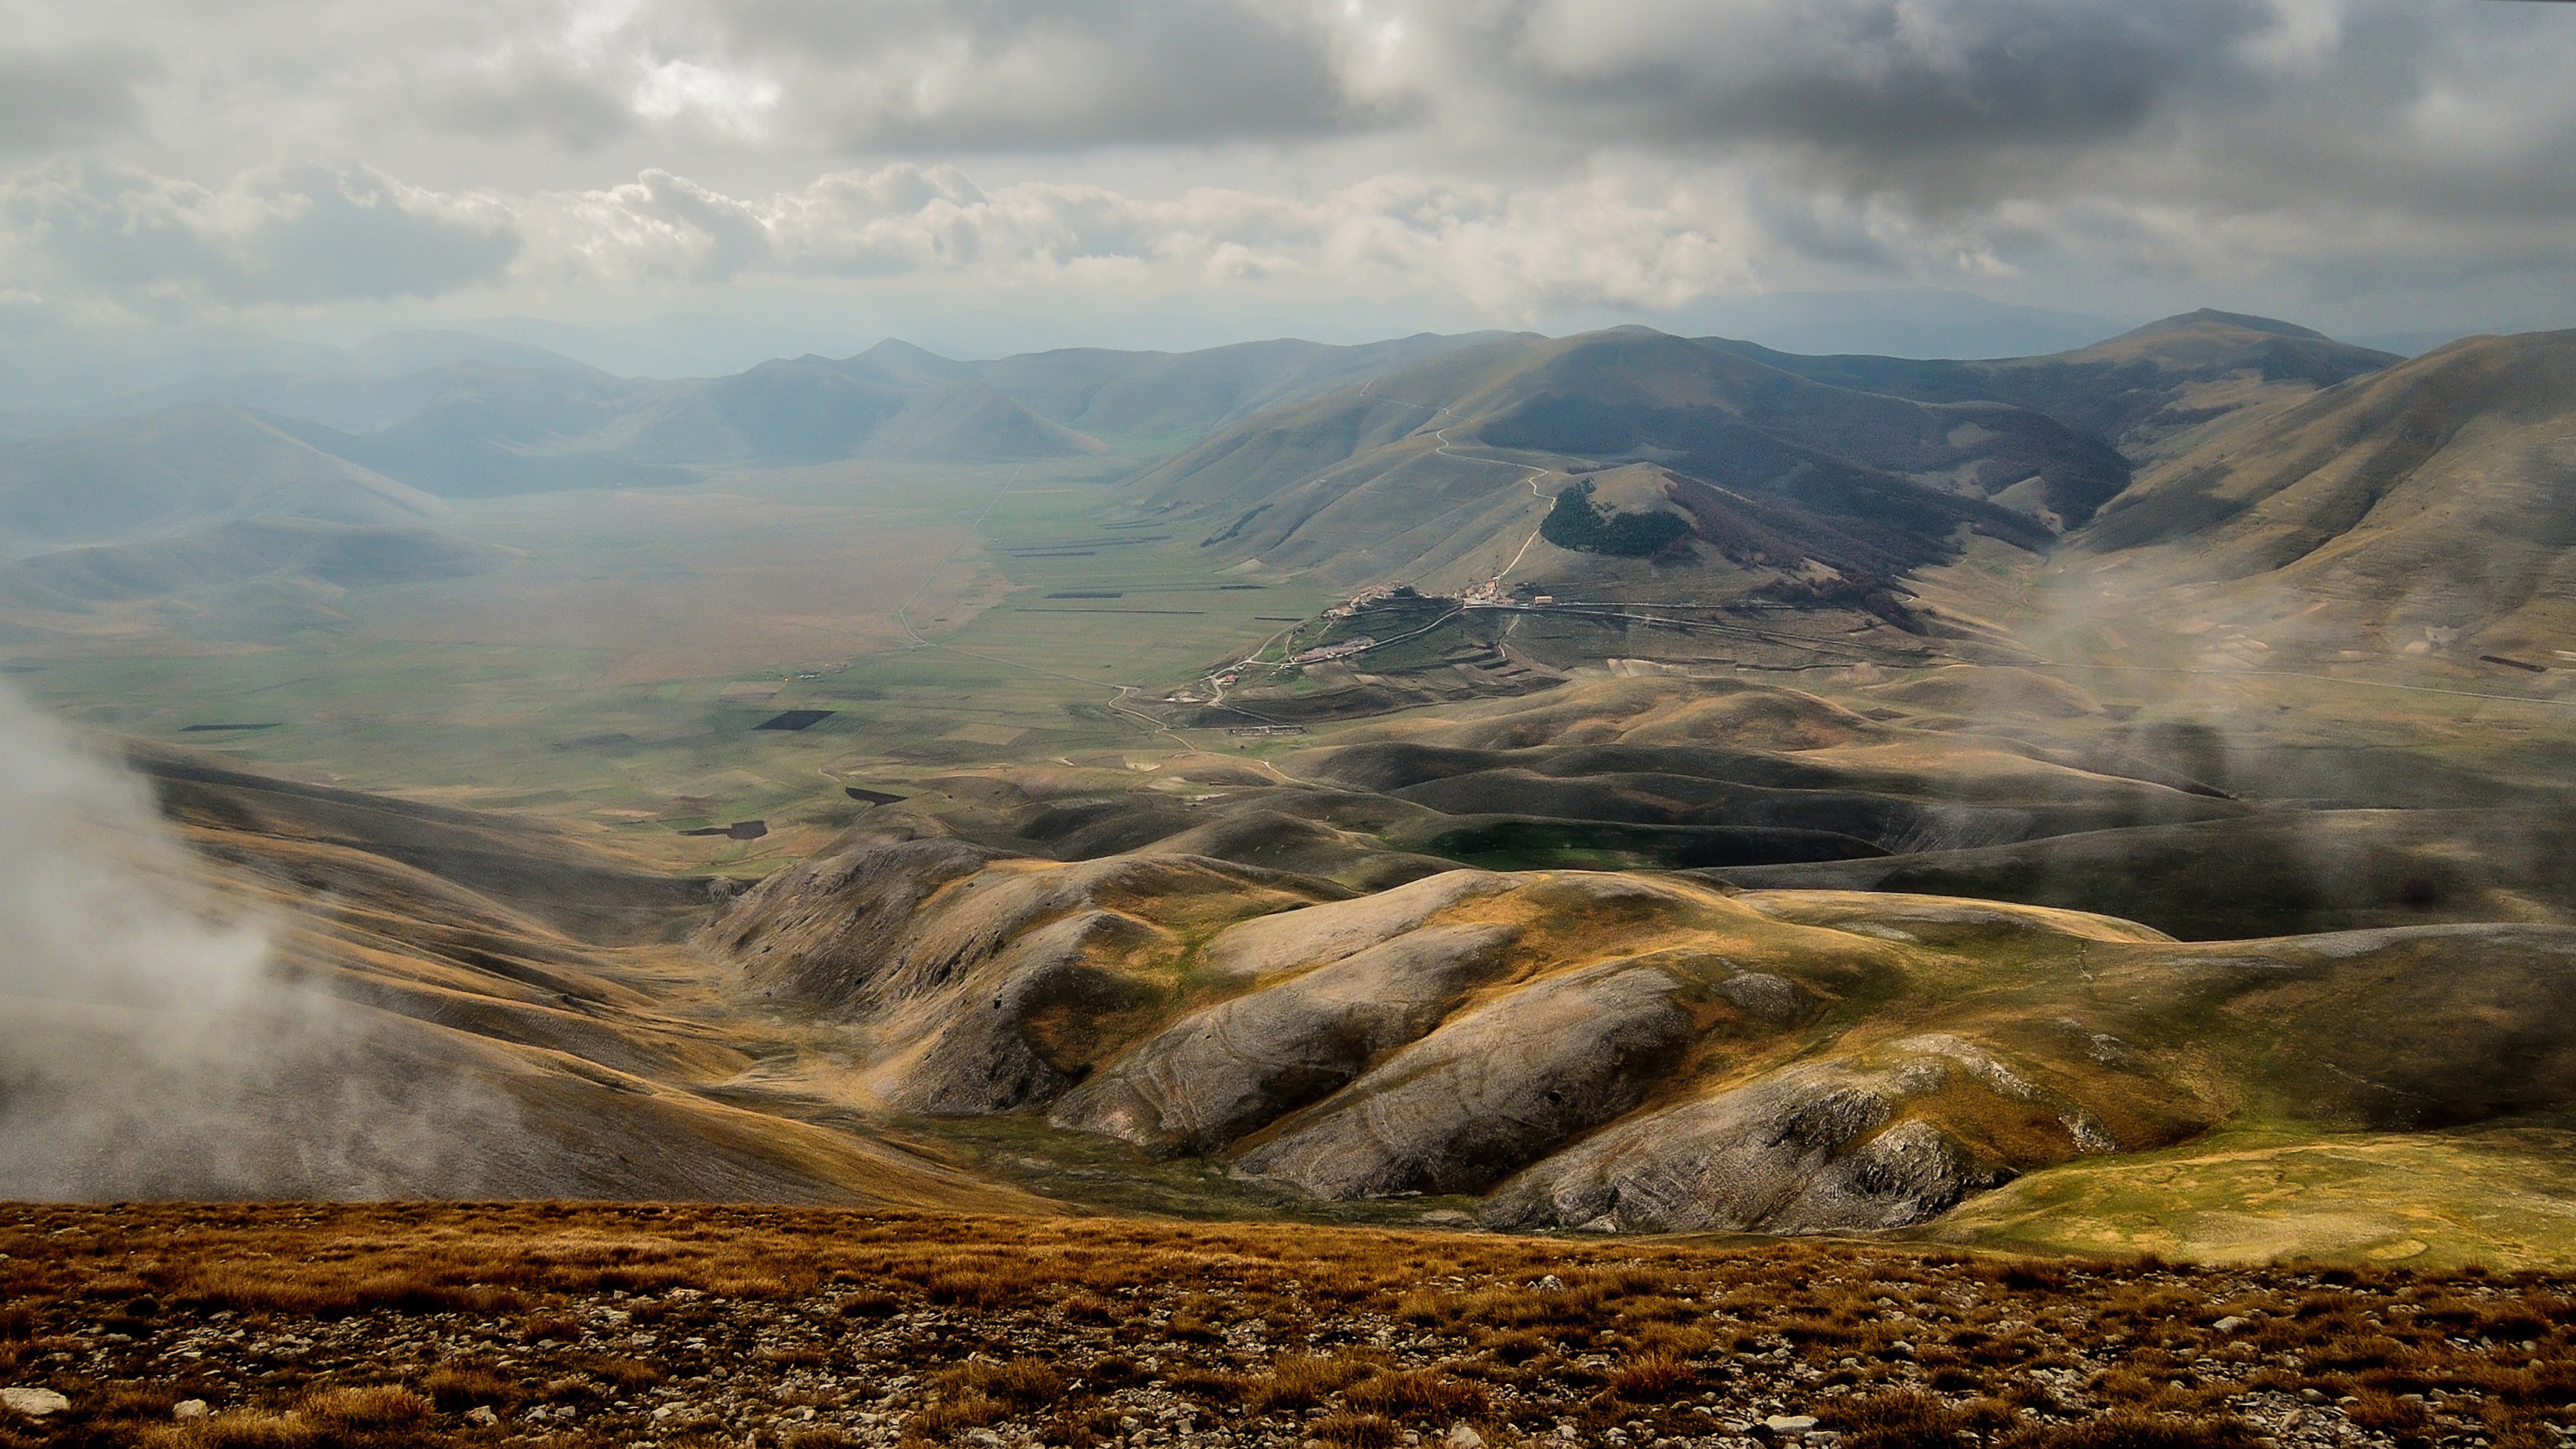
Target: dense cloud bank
1514 157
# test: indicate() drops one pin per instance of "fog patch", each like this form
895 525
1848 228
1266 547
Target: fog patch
149 1045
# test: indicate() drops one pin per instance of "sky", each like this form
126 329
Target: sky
1001 174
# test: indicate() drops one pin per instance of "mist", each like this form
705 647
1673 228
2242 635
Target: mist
150 1046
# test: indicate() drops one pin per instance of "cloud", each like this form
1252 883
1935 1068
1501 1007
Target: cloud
278 235
1030 76
1510 154
1647 237
149 1047
1507 251
892 76
72 97
1887 79
1996 95
301 235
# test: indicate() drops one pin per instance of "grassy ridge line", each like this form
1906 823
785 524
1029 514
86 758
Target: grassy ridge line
404 1324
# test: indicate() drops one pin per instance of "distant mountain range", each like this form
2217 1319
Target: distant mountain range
2429 492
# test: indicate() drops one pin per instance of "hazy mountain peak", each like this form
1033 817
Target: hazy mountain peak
901 363
2241 321
969 420
2210 342
397 354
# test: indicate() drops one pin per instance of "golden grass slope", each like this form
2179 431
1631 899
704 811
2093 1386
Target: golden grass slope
518 1022
1490 1042
2497 1193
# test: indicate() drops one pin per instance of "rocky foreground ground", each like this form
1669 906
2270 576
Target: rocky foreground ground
296 1327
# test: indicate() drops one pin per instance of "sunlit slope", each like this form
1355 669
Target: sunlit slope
1622 1051
2501 1193
2430 504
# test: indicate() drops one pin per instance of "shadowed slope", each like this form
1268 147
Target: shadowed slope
2139 390
1371 480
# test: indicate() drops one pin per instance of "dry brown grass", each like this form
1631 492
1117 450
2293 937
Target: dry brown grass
1357 1431
350 1412
1036 1325
1300 1381
381 1416
1417 1396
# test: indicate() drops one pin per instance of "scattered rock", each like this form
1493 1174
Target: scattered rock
1462 1437
189 1409
2231 1323
1787 1425
34 1403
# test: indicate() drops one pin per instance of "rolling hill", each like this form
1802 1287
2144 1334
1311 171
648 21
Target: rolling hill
1431 471
969 420
480 1008
457 415
1159 395
2137 390
2427 508
1618 1052
185 469
1634 495
1396 472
